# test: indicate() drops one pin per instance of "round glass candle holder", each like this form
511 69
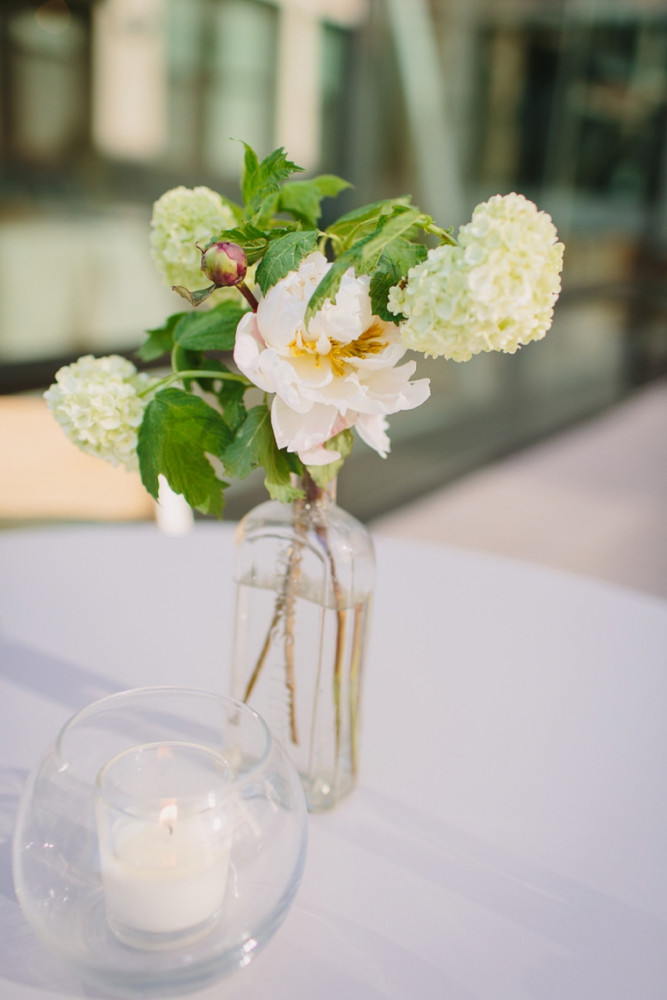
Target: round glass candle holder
160 841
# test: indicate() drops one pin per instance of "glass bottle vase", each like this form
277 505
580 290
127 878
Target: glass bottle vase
305 573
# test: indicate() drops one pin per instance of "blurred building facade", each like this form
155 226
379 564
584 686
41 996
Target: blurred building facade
104 104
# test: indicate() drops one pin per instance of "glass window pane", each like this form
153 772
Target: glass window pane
239 99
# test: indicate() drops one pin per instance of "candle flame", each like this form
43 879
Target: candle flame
168 816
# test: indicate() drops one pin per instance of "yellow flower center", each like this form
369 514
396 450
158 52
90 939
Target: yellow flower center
339 354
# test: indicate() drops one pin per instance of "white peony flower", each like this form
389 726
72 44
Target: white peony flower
339 373
183 217
95 401
493 292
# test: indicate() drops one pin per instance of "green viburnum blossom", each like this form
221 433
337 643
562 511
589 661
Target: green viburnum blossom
182 218
96 401
494 291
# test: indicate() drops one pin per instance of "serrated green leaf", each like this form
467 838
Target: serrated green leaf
229 393
231 397
250 168
363 256
323 474
243 454
261 181
328 185
253 446
394 263
177 432
253 241
284 255
160 340
284 492
303 199
214 330
278 464
361 222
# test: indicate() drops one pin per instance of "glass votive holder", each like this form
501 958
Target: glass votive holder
160 841
165 838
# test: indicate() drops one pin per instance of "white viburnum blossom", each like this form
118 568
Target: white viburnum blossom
339 373
183 217
493 292
96 402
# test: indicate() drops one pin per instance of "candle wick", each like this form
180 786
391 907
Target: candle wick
170 828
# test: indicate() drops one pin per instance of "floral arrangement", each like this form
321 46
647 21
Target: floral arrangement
317 321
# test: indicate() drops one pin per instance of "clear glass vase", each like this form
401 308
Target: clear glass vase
305 573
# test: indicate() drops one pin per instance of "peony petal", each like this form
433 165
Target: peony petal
349 315
392 353
302 432
249 348
281 376
391 390
279 315
319 456
372 428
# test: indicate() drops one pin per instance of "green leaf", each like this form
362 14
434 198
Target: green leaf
284 255
253 241
254 445
183 360
363 256
229 393
250 169
261 181
177 432
214 330
278 464
160 340
242 453
323 474
393 265
231 397
303 199
362 221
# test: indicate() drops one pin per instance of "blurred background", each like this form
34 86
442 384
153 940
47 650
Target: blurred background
105 104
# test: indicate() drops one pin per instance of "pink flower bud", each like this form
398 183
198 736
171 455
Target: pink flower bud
224 264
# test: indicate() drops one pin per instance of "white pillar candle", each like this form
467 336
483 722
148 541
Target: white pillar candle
164 863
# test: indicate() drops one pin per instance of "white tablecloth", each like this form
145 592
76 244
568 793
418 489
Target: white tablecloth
508 837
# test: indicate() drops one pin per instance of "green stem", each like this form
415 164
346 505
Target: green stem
441 233
336 243
194 373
